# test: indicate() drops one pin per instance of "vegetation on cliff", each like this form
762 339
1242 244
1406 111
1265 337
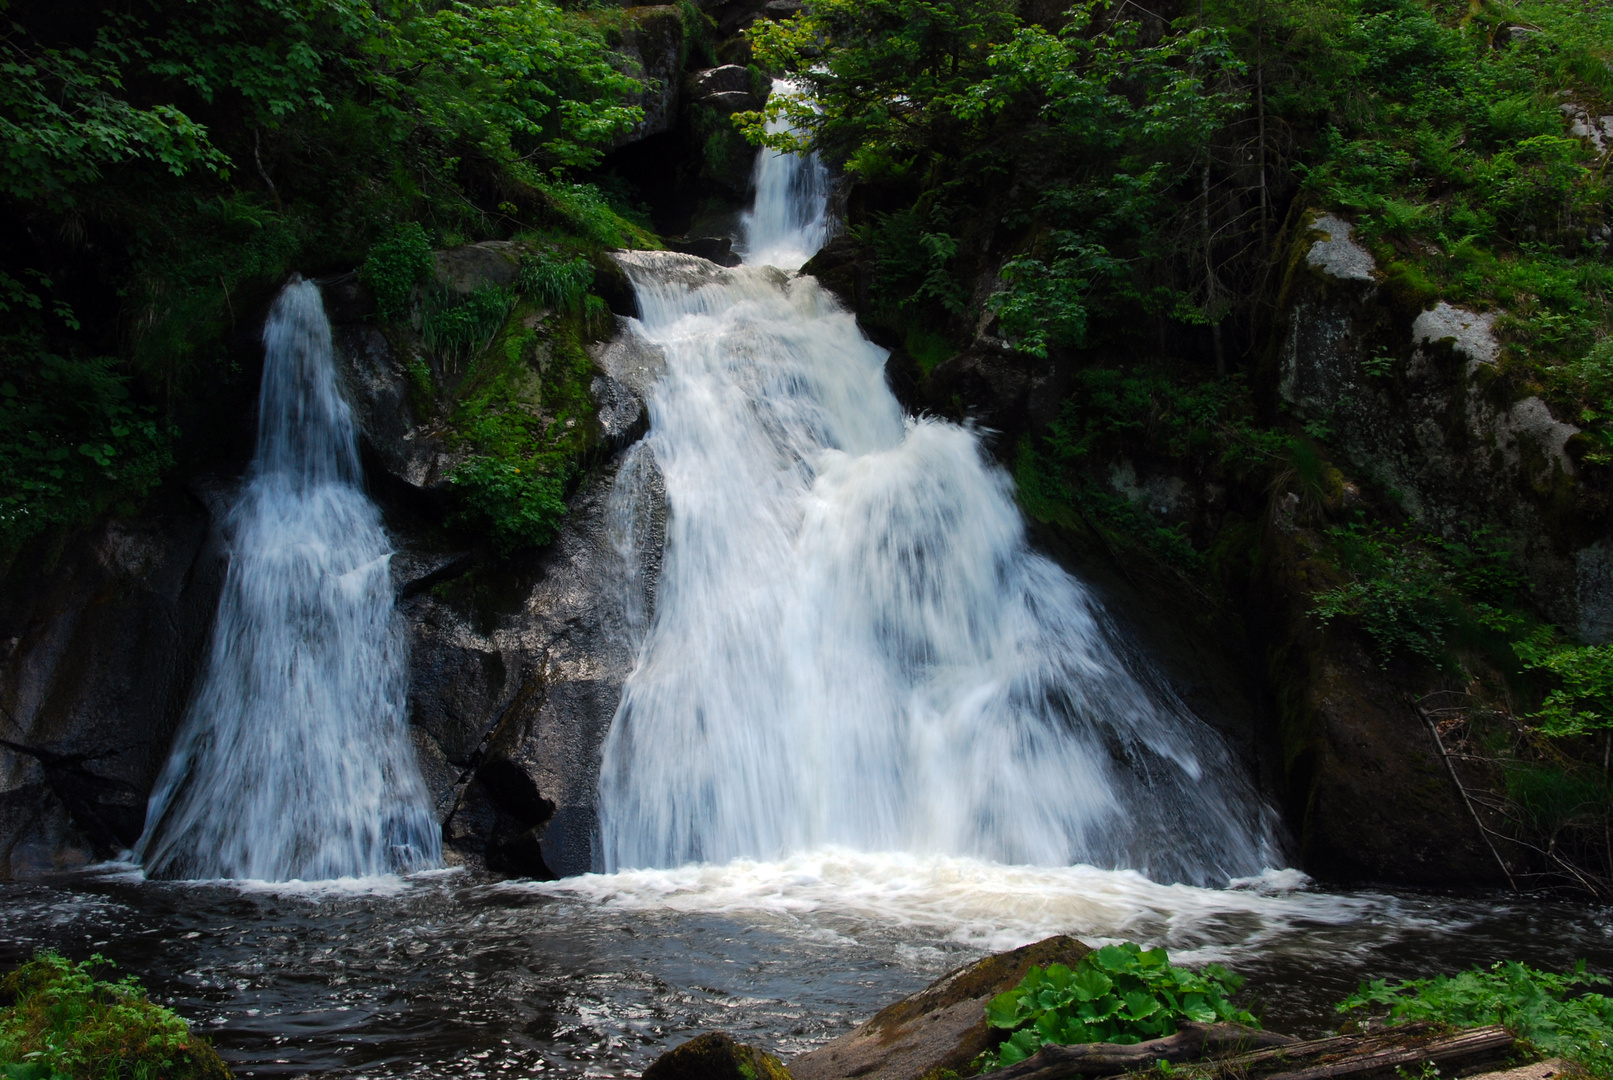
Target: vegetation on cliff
167 164
60 1021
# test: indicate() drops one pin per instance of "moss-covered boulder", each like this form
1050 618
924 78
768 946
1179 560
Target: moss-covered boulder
58 1019
716 1057
940 1028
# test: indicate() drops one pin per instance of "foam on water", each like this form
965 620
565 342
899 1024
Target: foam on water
989 906
294 761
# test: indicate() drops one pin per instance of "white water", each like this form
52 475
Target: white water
294 761
853 643
789 221
834 893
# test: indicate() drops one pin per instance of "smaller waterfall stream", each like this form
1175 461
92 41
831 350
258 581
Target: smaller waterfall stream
294 760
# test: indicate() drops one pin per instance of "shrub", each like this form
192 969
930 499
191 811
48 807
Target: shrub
1119 993
517 508
72 442
63 1023
394 266
1551 1011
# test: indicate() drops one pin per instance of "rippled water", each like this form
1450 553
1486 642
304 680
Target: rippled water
446 974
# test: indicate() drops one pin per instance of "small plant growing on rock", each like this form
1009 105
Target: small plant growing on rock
60 1022
1119 994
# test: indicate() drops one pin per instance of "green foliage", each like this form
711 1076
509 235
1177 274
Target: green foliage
395 265
1119 993
1582 702
63 1023
524 411
456 327
516 509
1450 150
1414 593
63 123
524 83
72 441
1554 1012
1087 129
554 282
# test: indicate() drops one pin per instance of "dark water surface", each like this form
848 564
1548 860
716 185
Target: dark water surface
452 975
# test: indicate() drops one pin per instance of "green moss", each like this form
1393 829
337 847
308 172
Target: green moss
61 1022
524 412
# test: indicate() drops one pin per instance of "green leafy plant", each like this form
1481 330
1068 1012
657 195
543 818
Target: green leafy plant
515 507
1582 702
1119 993
1554 1012
72 442
1413 593
394 266
457 327
553 282
61 1022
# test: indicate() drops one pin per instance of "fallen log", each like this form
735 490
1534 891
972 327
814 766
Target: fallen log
1478 1044
1242 1052
1191 1041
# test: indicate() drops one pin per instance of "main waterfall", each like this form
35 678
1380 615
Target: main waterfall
294 760
854 643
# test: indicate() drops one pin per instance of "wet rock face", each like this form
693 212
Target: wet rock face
942 1027
516 666
98 652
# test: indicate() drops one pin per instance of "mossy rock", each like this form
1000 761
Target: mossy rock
716 1057
58 1018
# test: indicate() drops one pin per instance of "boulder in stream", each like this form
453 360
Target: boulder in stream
716 1057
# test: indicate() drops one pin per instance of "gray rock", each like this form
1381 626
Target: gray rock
730 78
1337 254
1470 333
463 270
651 51
98 654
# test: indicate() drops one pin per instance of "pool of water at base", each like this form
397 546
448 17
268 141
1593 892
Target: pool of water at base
448 974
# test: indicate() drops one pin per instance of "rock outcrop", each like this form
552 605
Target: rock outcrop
1412 395
98 650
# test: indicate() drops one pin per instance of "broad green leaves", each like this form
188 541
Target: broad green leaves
1119 993
1552 1011
1582 703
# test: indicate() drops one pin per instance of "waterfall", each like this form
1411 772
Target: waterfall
294 760
853 643
789 220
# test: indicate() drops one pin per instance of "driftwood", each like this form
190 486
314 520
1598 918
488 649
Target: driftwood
1479 1044
1242 1052
1190 1042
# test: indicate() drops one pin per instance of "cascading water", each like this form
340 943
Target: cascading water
294 760
789 220
853 643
